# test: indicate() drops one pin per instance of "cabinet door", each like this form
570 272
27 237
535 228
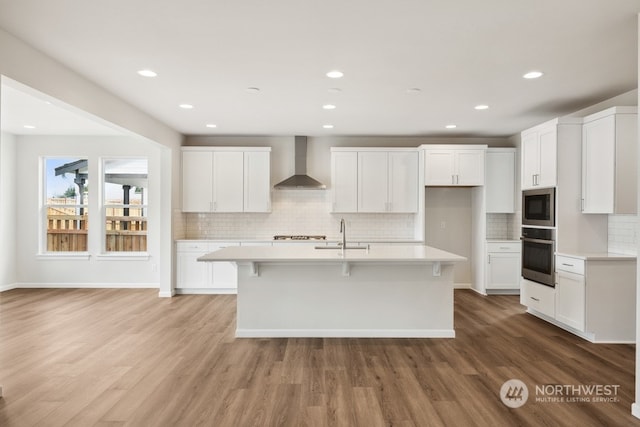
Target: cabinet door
570 300
228 177
192 274
469 167
598 163
503 270
403 182
530 160
344 180
197 181
548 157
500 184
224 274
373 181
257 181
439 167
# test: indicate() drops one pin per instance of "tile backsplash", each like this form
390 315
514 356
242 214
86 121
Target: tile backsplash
623 234
503 226
295 212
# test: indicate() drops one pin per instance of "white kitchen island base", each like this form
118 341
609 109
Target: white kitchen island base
385 292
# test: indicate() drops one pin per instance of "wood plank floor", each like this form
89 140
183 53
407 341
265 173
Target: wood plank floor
128 358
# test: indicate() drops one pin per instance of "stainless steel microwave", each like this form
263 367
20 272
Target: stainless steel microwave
538 207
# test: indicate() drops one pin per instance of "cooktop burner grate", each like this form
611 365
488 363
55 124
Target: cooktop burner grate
299 237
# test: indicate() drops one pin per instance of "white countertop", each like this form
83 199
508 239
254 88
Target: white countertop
377 253
331 240
598 256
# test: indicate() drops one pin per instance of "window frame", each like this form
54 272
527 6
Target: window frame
104 206
44 206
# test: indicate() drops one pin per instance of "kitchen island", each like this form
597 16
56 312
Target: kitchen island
384 291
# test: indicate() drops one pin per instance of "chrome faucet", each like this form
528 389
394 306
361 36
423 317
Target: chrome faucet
343 231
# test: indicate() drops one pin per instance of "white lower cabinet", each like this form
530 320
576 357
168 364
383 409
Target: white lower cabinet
570 299
193 276
540 298
503 265
594 297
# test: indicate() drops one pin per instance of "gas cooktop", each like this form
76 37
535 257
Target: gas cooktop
299 237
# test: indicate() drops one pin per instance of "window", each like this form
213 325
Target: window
125 205
66 204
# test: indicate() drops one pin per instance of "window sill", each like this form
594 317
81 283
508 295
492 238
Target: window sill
124 256
64 256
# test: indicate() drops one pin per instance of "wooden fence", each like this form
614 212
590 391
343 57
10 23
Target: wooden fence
68 233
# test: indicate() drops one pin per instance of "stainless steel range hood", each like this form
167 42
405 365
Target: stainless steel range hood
300 181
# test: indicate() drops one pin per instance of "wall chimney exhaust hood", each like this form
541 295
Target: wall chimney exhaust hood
300 180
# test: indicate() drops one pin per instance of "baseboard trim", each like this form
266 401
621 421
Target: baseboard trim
8 287
166 294
462 286
635 409
345 333
477 291
199 291
25 285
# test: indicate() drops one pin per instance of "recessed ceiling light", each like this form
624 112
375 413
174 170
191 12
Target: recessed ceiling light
29 126
327 126
147 73
414 90
186 106
533 75
211 125
335 90
253 89
481 107
451 126
329 107
335 74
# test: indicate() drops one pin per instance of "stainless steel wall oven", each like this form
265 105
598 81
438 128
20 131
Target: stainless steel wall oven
538 255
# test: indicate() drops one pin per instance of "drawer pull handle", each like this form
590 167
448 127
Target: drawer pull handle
504 247
535 299
567 265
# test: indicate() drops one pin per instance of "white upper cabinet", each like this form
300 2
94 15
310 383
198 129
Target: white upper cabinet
344 181
539 156
226 179
403 181
375 180
500 184
447 165
257 181
609 170
197 181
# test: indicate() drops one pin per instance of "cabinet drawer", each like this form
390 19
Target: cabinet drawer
503 246
194 246
572 265
538 297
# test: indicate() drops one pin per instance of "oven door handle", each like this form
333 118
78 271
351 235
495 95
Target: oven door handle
546 242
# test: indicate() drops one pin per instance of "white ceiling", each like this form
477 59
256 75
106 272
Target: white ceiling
459 53
24 111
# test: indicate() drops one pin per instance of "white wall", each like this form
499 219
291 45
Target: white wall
8 271
38 271
448 225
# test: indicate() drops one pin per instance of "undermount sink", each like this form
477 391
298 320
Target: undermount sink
339 247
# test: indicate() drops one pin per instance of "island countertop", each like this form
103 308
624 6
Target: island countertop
375 254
